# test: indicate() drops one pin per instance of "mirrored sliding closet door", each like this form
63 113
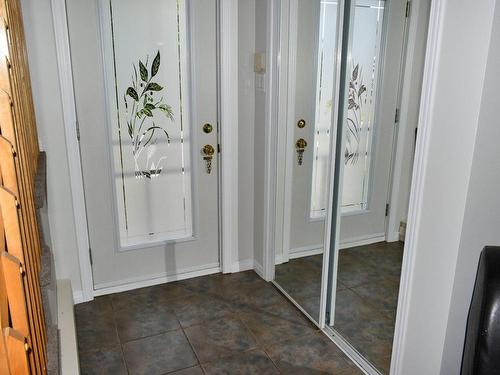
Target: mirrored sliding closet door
308 53
362 303
341 69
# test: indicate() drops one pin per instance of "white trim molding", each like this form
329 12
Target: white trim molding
271 130
72 147
257 267
306 251
69 362
287 115
229 132
150 280
417 185
404 143
361 241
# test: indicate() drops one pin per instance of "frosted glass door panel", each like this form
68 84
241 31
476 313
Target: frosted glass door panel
148 100
363 67
324 104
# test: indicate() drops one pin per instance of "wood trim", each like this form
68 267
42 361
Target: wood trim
16 348
12 269
23 345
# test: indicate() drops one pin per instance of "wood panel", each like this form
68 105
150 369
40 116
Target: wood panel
22 323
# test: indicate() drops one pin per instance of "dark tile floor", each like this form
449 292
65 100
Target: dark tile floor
218 324
301 279
367 297
366 300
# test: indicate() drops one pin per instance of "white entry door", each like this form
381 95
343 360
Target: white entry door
145 78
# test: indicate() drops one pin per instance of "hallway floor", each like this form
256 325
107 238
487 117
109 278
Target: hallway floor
367 295
217 324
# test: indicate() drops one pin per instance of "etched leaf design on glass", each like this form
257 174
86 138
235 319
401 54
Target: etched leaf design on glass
357 91
143 127
132 93
144 71
167 110
355 72
362 89
155 67
153 87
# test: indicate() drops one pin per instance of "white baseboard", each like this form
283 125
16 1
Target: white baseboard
362 240
150 280
188 273
305 251
78 297
67 330
300 252
393 237
257 267
243 265
279 259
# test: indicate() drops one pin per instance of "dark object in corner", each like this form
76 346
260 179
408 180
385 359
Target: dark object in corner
482 339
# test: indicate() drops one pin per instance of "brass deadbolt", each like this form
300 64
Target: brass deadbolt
207 128
301 123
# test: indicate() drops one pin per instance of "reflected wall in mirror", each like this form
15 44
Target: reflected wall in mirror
308 53
366 285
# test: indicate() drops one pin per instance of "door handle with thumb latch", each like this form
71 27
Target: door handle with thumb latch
208 153
300 147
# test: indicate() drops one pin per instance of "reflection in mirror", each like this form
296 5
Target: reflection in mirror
324 104
308 52
368 266
362 93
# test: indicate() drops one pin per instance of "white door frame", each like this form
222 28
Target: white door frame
427 101
271 134
417 193
228 126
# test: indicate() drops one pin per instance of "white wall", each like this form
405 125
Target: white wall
461 53
38 26
482 212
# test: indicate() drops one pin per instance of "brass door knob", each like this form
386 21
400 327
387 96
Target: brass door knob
208 153
208 150
301 143
300 147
